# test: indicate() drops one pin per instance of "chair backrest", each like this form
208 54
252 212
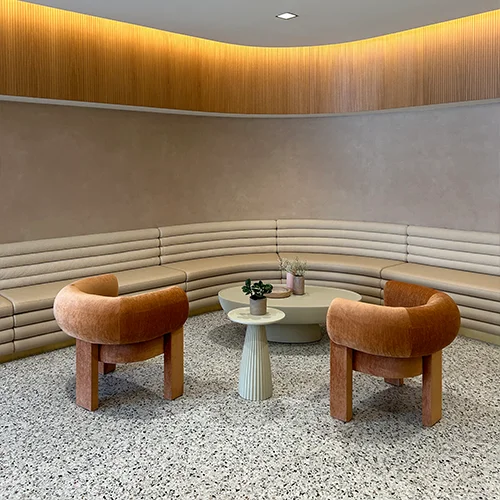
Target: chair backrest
400 294
57 259
369 239
456 249
90 310
214 239
399 331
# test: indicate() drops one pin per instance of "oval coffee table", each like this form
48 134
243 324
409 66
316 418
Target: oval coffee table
303 313
255 368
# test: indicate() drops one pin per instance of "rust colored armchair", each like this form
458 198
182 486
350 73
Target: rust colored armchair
401 339
111 329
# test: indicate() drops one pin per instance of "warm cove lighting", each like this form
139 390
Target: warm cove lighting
287 16
56 54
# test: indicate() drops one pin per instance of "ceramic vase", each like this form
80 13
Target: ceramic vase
295 283
298 285
258 307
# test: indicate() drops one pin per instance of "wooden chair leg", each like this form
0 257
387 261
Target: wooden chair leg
87 377
174 364
106 367
398 382
340 382
432 391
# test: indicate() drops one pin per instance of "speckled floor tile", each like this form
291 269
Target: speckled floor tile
210 443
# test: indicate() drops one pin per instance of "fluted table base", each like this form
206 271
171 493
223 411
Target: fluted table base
255 368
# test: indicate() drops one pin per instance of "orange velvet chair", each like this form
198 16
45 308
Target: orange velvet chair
111 329
401 339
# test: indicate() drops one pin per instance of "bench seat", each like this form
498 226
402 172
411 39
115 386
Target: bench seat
204 258
6 327
351 272
477 295
207 276
32 273
32 305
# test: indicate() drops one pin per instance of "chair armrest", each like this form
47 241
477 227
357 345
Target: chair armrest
370 328
398 332
120 320
150 315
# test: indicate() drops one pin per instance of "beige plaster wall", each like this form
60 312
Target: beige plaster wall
68 170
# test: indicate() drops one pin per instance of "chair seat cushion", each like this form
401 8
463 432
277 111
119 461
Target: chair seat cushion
231 264
449 280
353 264
37 297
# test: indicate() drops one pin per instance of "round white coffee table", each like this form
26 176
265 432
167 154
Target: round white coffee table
255 368
304 313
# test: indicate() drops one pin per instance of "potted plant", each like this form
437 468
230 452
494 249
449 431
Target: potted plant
258 300
295 270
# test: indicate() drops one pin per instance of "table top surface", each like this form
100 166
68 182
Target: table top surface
242 315
314 296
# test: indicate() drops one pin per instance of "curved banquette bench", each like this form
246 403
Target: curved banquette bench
207 257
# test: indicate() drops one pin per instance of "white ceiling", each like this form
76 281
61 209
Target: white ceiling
253 22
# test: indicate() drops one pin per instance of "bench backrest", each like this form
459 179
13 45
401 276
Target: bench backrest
369 239
215 239
43 261
465 250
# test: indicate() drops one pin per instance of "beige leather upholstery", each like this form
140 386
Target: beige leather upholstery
150 278
215 239
6 327
465 264
356 273
344 254
462 282
56 259
207 276
366 239
477 295
204 258
31 275
215 255
474 251
5 308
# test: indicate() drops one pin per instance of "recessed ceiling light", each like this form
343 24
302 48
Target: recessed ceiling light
287 16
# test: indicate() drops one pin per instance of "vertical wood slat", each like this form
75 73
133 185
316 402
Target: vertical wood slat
50 53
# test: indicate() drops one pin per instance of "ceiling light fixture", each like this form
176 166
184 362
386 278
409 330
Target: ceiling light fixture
287 16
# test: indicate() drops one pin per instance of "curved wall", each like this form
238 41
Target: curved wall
67 170
51 53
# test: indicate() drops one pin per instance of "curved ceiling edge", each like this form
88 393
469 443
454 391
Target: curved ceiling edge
254 24
207 114
53 54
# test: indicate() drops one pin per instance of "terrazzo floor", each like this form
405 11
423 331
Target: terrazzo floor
212 444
